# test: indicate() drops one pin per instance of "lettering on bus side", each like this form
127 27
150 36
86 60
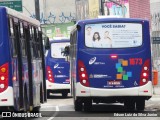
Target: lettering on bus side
106 26
60 76
113 26
135 61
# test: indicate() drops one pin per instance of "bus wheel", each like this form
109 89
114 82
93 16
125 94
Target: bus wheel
41 94
36 109
48 94
129 105
88 105
140 104
25 104
78 104
64 94
25 101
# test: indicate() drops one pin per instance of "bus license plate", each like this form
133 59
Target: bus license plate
114 82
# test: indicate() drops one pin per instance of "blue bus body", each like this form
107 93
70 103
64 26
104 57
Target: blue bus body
21 72
120 72
5 59
58 68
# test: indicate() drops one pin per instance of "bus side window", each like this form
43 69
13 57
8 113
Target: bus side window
34 42
74 42
12 37
21 30
31 41
38 44
71 45
11 27
22 40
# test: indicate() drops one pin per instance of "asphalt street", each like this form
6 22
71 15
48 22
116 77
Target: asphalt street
59 108
62 108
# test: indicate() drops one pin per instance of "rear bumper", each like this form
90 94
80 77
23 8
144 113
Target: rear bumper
8 95
83 91
55 86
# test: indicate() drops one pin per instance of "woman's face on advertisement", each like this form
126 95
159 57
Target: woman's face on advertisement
96 36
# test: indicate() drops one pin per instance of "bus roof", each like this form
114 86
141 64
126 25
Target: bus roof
111 19
22 16
59 40
109 16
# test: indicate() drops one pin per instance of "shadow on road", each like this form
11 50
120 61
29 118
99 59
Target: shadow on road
107 108
58 96
100 110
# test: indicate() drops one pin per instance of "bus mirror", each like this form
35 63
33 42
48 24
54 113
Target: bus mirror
66 51
47 45
78 27
155 77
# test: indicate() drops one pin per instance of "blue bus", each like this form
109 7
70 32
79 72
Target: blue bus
22 66
57 69
110 62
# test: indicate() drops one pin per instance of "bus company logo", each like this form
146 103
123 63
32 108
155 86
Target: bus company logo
55 66
92 60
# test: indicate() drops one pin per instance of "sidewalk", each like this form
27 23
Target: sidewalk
156 96
156 92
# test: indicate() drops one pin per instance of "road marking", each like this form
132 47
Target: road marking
54 115
47 106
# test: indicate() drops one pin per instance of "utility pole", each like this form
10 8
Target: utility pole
102 6
37 11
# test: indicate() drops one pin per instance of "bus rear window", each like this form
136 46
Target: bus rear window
57 48
113 35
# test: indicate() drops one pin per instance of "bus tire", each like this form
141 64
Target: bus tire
64 94
25 100
36 109
78 104
41 94
140 104
129 105
48 94
88 105
25 103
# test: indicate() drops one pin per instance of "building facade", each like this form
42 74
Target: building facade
129 8
51 11
155 35
126 8
56 16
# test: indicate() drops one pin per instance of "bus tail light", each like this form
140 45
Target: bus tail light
82 72
4 76
50 75
145 73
